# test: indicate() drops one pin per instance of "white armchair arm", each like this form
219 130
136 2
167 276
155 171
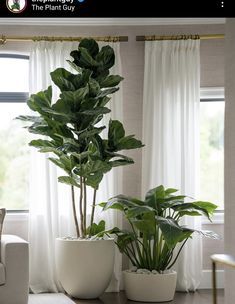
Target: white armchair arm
15 258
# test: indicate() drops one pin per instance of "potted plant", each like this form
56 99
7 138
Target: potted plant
155 240
72 128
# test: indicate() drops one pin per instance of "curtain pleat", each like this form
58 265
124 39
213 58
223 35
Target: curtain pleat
171 134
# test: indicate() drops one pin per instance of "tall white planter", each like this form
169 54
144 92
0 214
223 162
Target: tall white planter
150 287
84 267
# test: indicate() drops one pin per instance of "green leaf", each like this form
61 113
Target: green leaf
111 81
97 111
170 190
147 224
94 87
61 77
128 143
37 102
35 119
134 212
68 180
94 180
120 202
74 66
152 196
104 93
95 229
172 232
121 162
116 132
91 45
106 57
209 207
85 59
72 99
40 143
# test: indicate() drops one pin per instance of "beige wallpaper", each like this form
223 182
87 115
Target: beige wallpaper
230 156
132 54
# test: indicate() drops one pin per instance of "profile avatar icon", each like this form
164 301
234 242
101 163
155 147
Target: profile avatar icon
16 6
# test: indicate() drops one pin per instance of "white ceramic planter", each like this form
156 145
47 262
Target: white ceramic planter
150 287
84 267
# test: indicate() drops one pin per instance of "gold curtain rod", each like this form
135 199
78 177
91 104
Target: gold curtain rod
179 37
4 39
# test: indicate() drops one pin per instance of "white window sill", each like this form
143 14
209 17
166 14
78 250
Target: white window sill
17 216
217 219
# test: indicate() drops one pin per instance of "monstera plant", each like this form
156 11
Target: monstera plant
72 126
156 239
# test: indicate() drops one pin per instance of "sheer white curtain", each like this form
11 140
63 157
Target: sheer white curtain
171 134
50 212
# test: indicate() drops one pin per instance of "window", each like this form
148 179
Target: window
212 146
14 151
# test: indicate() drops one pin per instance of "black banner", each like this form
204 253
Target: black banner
116 8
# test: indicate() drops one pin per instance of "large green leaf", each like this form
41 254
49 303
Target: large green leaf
134 212
115 133
84 59
106 57
129 142
172 232
120 202
94 87
93 180
68 180
41 143
152 197
111 81
61 78
37 102
91 45
147 223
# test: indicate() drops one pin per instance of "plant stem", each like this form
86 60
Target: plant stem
80 205
177 255
93 207
85 205
75 212
136 242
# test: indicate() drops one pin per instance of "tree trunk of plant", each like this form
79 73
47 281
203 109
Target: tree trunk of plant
93 207
80 206
85 205
75 212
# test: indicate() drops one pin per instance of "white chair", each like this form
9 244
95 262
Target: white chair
14 270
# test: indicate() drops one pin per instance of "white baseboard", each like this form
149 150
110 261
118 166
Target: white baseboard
206 282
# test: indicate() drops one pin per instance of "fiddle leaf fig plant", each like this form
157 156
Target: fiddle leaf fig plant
72 126
156 229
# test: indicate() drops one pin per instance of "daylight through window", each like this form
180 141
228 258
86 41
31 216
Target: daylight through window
14 151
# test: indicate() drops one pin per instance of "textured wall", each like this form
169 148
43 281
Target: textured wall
132 54
230 156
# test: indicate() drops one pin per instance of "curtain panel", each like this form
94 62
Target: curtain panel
50 208
171 134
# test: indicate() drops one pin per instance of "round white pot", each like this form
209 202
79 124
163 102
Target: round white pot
84 267
150 287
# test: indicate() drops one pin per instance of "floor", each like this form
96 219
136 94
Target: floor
199 297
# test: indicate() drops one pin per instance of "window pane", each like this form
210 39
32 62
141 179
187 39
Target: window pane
14 157
212 152
14 75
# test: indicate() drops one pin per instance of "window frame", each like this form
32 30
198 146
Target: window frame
14 97
208 94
